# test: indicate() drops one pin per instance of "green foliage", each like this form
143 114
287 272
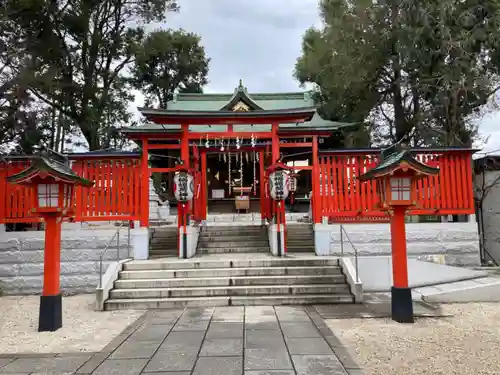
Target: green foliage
72 54
413 69
168 61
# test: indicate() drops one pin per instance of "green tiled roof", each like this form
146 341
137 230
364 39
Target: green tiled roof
390 160
42 163
266 101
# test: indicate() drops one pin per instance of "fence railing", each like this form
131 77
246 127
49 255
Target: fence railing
109 245
343 234
116 191
343 195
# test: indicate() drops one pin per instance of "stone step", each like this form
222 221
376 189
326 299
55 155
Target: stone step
260 290
165 303
224 245
163 253
164 234
233 250
220 231
228 272
235 263
229 281
231 238
163 246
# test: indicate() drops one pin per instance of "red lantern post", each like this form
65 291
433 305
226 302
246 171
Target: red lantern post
278 190
52 181
396 178
184 193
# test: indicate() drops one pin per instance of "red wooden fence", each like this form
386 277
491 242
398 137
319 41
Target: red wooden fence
114 196
343 196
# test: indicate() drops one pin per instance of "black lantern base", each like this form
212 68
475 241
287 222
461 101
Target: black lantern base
50 318
402 305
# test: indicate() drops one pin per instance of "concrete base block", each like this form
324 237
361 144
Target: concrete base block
140 243
322 238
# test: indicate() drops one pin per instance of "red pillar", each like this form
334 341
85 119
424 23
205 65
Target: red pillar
316 199
275 150
145 184
401 300
398 242
203 192
262 183
185 145
52 256
50 315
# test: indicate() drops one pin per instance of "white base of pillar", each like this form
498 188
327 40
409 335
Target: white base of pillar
192 235
276 249
140 243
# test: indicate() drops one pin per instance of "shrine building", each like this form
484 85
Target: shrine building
234 150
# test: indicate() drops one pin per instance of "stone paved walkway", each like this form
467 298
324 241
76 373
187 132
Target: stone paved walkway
257 340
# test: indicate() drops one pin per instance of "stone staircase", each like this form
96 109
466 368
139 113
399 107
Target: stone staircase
259 280
300 238
233 239
163 242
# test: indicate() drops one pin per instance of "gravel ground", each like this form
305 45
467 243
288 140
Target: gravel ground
467 343
84 330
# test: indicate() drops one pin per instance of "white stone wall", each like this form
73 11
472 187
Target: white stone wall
21 259
490 188
445 243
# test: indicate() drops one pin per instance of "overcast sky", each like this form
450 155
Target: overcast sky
259 41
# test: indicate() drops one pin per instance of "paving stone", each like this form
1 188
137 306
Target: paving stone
301 329
165 314
269 340
4 361
228 314
219 366
225 330
198 325
182 341
92 363
333 341
120 367
317 364
264 359
167 373
269 372
172 361
355 372
307 345
273 325
151 333
291 314
197 314
222 347
345 357
134 349
48 366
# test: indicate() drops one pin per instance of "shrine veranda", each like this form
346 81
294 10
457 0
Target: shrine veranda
229 141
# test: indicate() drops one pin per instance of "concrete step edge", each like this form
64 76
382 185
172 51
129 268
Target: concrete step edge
304 297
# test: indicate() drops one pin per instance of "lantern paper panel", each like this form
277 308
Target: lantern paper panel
292 184
183 186
54 195
48 195
400 188
278 185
